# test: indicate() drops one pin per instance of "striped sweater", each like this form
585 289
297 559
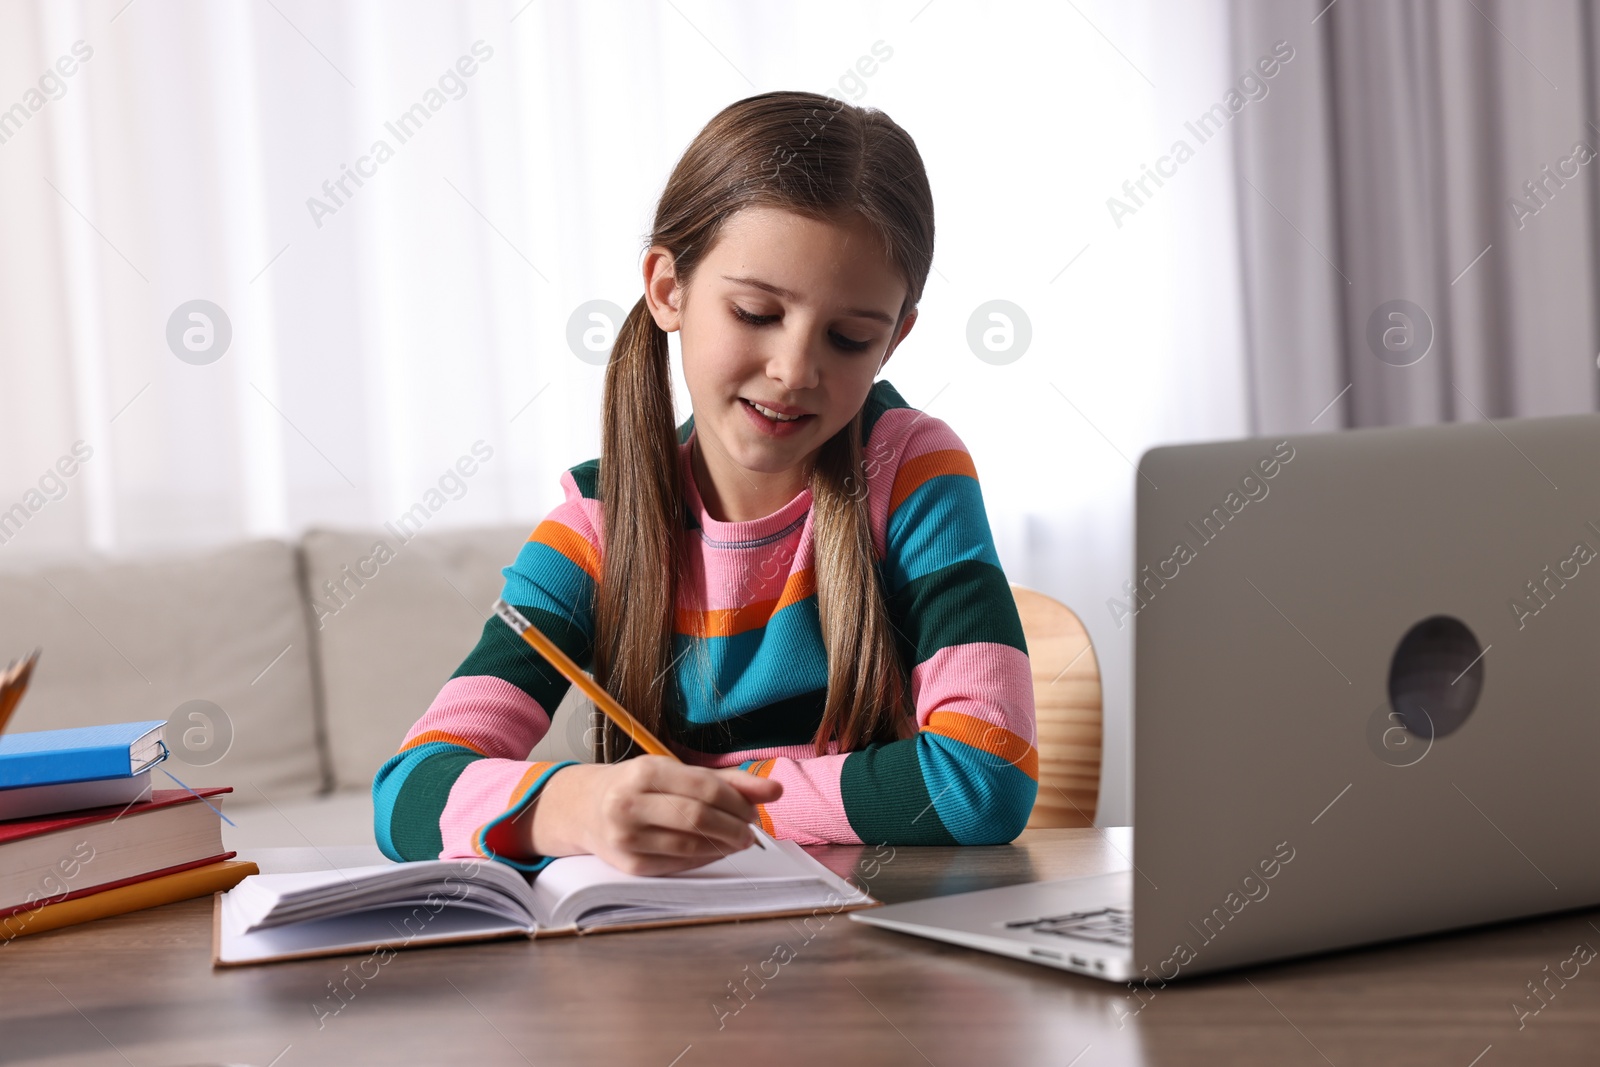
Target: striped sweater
751 670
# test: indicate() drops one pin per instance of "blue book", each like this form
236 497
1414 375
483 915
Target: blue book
54 757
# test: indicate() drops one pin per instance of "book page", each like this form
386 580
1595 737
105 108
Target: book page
779 876
390 927
271 900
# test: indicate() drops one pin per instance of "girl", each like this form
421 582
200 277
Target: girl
797 590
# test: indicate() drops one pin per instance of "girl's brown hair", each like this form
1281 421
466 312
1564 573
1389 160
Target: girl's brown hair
824 159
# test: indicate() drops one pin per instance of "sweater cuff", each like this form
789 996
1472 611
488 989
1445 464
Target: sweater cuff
490 792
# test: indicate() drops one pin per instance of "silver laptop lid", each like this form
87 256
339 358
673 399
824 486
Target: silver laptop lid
1366 678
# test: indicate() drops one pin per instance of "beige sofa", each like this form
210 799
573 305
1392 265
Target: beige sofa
287 671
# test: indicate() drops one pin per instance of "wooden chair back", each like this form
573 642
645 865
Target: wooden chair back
1067 702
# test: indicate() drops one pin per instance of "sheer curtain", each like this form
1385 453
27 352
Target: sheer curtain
399 216
1436 154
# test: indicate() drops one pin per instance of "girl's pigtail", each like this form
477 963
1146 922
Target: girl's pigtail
641 496
868 694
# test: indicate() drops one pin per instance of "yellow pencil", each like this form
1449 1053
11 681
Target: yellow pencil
575 674
590 688
13 683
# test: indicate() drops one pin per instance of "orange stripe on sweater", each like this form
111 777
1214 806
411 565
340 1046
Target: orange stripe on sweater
526 782
725 622
913 472
997 741
570 543
429 736
761 769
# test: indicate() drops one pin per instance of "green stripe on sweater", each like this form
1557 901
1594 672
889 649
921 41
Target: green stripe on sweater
886 799
414 819
587 477
791 721
966 601
503 653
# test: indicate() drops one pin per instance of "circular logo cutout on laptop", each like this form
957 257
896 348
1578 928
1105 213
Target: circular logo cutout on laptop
1435 680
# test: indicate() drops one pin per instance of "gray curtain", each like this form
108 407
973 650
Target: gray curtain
1425 151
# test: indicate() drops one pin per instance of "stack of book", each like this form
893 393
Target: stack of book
84 835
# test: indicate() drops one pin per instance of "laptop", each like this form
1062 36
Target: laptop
1366 678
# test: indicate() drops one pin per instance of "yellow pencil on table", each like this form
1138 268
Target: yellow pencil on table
13 683
591 689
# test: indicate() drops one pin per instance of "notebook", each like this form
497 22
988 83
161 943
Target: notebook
186 882
360 909
82 753
24 801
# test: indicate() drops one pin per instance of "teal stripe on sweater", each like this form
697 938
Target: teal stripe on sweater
757 667
942 522
934 790
980 798
542 577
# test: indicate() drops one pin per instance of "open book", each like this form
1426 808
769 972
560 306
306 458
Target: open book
390 906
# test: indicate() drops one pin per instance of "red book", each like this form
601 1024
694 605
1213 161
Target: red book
62 857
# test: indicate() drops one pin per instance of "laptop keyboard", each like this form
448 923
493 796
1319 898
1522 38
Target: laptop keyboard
1113 926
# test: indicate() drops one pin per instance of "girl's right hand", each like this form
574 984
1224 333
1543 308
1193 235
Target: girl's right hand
649 815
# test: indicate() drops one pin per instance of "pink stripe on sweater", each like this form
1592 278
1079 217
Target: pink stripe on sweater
732 578
899 434
811 810
733 759
489 714
584 515
483 791
988 681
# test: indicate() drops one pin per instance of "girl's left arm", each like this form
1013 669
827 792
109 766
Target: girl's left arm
970 773
462 773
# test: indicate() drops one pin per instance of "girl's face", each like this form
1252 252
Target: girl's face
790 321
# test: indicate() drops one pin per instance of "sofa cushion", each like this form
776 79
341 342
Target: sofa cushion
216 642
392 620
340 818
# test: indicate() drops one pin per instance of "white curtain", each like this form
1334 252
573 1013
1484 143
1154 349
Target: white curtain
379 331
1425 160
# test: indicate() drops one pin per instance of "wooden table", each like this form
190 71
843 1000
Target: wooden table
139 989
